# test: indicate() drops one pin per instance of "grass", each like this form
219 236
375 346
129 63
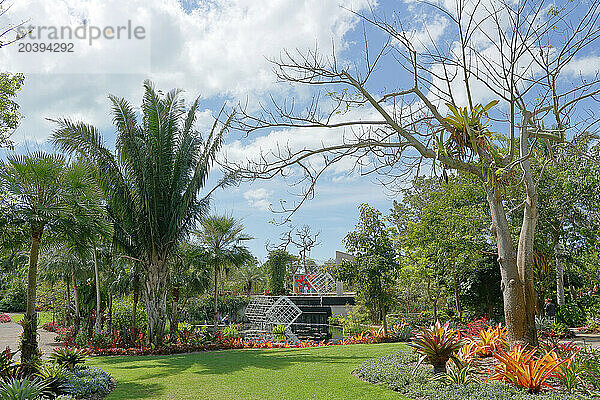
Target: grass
42 317
282 374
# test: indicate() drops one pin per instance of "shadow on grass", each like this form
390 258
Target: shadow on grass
228 361
133 390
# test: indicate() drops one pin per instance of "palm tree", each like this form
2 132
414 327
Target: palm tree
221 236
151 182
43 189
250 275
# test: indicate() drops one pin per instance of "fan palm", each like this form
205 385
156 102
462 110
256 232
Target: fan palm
151 182
221 236
43 190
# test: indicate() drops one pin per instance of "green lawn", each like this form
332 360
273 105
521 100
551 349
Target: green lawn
42 317
315 373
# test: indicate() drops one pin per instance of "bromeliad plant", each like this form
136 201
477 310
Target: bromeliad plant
69 357
437 345
490 340
523 368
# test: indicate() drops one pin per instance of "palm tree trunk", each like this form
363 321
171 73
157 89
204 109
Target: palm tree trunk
155 294
215 315
98 304
173 329
76 299
29 349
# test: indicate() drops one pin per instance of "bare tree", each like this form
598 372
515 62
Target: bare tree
521 55
303 239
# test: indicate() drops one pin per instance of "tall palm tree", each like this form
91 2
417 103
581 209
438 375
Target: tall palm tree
151 182
222 237
42 189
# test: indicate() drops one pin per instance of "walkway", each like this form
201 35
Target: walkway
9 336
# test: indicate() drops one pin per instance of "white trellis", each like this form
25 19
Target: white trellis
321 282
266 312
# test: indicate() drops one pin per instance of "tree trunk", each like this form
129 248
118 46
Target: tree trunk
560 274
136 296
174 328
216 311
109 319
29 349
68 317
98 327
77 323
457 296
526 239
512 286
155 294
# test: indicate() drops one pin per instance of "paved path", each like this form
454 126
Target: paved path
9 334
588 339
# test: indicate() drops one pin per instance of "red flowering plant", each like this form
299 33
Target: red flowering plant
4 318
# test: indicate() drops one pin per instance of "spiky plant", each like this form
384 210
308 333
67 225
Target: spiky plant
437 345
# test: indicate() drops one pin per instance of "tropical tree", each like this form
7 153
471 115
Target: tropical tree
151 182
277 264
222 238
375 264
43 190
250 275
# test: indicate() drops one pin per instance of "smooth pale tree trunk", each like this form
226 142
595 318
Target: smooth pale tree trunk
98 327
511 285
215 314
29 349
155 294
560 274
76 300
516 267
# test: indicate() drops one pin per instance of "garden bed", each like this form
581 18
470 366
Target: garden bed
400 373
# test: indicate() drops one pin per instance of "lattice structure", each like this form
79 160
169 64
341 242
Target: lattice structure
321 282
266 312
257 310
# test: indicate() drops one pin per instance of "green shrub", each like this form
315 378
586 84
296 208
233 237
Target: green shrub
15 297
571 314
230 332
279 333
123 316
199 310
102 340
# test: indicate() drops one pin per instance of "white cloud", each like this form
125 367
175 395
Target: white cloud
218 49
258 198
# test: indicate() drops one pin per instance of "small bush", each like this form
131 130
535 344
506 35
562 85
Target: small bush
4 318
84 382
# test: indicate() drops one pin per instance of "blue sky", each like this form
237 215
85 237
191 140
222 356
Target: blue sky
217 49
187 42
